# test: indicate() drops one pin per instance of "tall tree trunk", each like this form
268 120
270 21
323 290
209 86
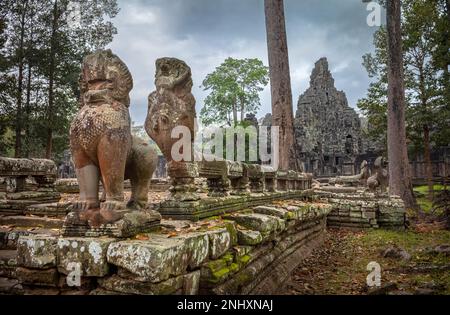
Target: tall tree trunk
399 172
235 114
19 114
280 82
446 76
426 128
53 42
27 112
427 157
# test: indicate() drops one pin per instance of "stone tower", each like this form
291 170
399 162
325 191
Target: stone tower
327 129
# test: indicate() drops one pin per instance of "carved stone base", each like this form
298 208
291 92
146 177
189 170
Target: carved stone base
183 175
132 223
208 207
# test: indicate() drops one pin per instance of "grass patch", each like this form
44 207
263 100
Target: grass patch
405 239
424 189
424 202
339 267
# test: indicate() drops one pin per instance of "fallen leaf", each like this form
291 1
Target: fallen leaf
141 237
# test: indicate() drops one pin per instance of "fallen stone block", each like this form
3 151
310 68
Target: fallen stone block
217 271
232 229
191 283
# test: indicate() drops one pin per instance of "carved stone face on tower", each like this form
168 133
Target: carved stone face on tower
171 105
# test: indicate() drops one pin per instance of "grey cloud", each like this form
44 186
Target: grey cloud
205 32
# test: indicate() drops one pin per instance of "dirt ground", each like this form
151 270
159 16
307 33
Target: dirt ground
339 267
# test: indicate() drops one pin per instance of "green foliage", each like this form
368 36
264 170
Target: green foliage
250 150
426 100
235 86
39 37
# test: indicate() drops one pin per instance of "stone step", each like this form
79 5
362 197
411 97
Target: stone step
56 210
8 263
31 221
10 287
9 236
273 211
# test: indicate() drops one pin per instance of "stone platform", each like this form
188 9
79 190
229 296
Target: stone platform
25 183
359 209
132 223
247 252
70 185
213 206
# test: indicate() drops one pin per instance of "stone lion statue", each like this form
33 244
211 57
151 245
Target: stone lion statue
173 105
380 180
102 145
356 180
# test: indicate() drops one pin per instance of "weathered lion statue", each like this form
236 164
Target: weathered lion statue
356 180
173 105
380 180
102 145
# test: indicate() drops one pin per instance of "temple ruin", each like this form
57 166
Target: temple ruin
223 227
327 129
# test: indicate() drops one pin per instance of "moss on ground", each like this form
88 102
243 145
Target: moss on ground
422 196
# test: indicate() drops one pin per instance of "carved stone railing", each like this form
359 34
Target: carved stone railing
232 186
15 172
26 182
235 178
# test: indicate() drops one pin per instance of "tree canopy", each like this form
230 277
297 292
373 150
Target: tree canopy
44 44
234 87
425 79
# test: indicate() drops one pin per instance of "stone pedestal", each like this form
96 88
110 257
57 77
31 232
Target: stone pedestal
132 223
182 176
26 182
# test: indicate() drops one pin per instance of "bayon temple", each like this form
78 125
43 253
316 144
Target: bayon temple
215 227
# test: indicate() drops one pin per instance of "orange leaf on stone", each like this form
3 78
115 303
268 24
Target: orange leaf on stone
141 237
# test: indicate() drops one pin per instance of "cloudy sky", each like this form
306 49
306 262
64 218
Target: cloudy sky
205 32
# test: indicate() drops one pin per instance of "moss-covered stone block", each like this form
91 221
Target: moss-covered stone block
219 242
240 251
232 229
153 260
249 237
197 248
276 212
36 251
243 260
256 221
